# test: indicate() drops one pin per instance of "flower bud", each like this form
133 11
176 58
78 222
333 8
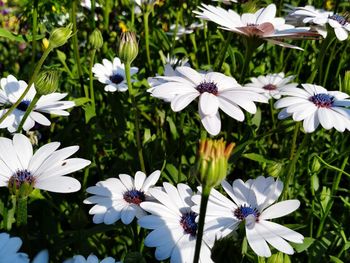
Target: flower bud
59 36
275 169
213 161
47 81
128 47
315 166
346 82
96 39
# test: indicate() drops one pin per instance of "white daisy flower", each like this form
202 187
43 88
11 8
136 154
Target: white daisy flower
45 169
12 89
319 18
252 203
215 90
112 74
90 259
174 225
262 24
271 85
315 105
8 249
121 198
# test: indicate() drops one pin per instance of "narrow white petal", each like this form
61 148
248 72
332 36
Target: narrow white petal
283 232
211 123
280 209
61 184
23 148
128 214
151 180
257 242
139 180
208 103
180 102
127 181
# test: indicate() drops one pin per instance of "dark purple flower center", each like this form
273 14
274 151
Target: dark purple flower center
21 177
340 19
243 211
322 100
116 79
23 106
134 196
269 87
209 87
188 223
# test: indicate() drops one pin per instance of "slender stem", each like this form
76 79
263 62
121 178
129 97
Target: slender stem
22 211
221 57
145 24
137 126
106 14
293 160
135 231
334 190
28 111
92 93
35 73
207 49
330 60
203 208
249 49
35 28
93 5
76 48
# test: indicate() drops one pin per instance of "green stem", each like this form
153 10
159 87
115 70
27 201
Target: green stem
249 49
21 211
76 48
92 93
106 14
35 73
137 127
146 28
221 57
334 190
328 66
203 208
206 40
35 25
93 5
293 160
28 111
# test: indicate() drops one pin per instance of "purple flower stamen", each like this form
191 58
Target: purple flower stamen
340 19
243 211
322 100
23 106
188 223
134 196
116 79
269 87
21 177
209 87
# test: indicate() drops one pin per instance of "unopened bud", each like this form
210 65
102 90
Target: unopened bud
128 47
59 36
47 81
315 166
213 161
275 169
96 39
346 82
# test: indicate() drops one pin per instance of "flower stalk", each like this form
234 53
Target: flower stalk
28 111
146 27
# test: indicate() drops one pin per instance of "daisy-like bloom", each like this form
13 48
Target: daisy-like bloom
315 105
174 225
262 24
12 89
8 249
271 85
319 18
215 90
121 198
252 203
90 259
45 169
112 74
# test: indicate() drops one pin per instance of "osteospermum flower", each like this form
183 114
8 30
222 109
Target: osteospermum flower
315 105
215 90
10 92
319 18
251 204
271 85
90 259
262 24
112 74
45 169
174 225
121 198
8 249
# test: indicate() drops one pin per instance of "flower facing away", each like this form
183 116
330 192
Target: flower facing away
215 90
121 198
174 225
45 169
112 74
319 18
271 85
315 105
252 203
90 259
262 24
12 89
8 249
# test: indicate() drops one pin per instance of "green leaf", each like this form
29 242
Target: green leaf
308 241
81 101
325 197
19 38
256 120
257 157
335 259
89 112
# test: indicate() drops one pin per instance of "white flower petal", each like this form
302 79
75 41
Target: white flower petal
280 209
